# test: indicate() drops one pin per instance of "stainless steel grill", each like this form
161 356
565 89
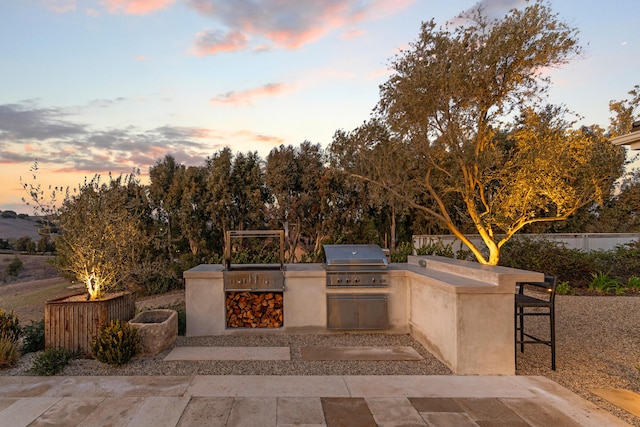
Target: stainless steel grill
353 267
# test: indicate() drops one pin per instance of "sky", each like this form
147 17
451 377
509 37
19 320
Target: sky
97 86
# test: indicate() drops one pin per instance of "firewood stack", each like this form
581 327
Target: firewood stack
254 309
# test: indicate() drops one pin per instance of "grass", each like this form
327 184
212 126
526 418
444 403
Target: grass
13 302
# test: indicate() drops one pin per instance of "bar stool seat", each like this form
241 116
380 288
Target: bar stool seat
541 303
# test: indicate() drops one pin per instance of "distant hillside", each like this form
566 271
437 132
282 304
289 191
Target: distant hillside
14 228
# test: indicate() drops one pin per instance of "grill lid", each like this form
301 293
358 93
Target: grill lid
355 256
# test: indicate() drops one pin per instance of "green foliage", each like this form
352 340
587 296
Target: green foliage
633 282
154 277
33 337
402 252
116 344
439 248
51 361
9 352
564 288
548 256
14 267
25 244
602 282
102 235
467 135
9 325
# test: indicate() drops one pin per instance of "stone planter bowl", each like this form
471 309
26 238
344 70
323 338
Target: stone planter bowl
158 330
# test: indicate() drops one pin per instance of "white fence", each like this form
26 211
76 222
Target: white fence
583 241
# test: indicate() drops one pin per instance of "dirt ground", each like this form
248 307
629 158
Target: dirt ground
38 282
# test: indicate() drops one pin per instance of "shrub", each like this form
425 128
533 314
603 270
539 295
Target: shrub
153 278
9 325
9 214
564 288
633 282
602 282
9 353
550 257
14 267
439 248
402 252
25 244
34 339
116 344
51 361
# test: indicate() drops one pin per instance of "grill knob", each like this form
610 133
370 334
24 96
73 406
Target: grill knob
348 280
339 280
356 280
373 280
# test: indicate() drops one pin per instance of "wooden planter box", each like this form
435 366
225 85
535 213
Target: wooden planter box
71 322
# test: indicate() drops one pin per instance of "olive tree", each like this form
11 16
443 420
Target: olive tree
101 238
467 109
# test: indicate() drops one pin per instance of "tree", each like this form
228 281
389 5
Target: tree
466 106
165 191
293 176
101 237
624 110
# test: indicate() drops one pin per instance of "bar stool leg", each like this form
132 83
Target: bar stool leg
552 319
521 315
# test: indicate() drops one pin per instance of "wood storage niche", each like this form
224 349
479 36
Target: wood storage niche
254 309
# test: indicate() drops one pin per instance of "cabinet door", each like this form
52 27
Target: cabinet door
357 311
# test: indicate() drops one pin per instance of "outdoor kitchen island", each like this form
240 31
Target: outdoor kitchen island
462 312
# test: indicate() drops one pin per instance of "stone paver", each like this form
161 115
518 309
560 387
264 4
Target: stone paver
229 353
202 411
360 353
299 411
388 401
625 399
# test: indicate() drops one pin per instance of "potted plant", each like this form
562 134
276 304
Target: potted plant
100 243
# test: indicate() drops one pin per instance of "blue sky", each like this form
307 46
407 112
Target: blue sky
92 86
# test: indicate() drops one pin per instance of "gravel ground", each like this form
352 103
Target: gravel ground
598 346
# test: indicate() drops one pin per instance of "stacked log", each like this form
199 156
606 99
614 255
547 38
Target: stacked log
254 309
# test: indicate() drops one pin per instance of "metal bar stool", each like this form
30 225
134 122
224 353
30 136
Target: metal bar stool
542 303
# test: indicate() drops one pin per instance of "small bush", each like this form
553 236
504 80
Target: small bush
10 326
14 267
116 344
551 257
602 282
402 252
34 339
564 288
51 361
154 278
633 282
9 352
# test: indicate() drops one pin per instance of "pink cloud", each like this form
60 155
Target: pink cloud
136 7
246 97
212 42
287 24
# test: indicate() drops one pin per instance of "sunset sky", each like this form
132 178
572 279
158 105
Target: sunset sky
92 86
